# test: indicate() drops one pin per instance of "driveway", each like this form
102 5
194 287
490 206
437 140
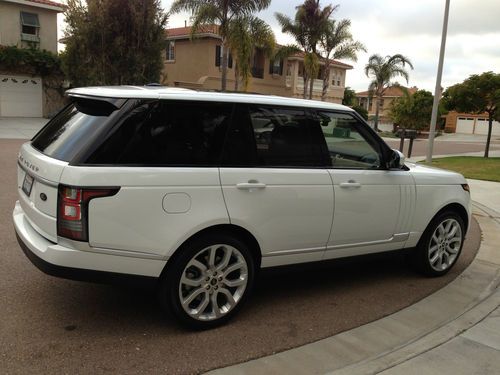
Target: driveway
53 325
20 127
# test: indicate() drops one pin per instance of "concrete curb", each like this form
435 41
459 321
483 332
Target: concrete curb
406 334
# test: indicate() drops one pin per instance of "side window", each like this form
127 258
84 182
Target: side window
168 133
277 137
348 146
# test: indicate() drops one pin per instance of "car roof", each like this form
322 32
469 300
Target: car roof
163 92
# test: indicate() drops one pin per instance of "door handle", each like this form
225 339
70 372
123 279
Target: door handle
250 185
350 184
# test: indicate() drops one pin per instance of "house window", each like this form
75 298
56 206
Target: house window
381 103
218 57
170 50
276 67
30 27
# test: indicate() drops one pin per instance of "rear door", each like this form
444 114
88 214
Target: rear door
275 184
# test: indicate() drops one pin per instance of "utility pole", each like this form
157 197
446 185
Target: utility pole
437 91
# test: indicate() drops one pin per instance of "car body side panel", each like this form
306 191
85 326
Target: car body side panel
155 210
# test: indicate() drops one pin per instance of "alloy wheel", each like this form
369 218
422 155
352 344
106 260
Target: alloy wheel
445 244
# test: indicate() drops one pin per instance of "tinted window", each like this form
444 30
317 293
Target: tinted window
348 145
67 133
167 133
275 137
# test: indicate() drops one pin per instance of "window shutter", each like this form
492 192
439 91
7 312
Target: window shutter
217 55
271 66
230 61
281 67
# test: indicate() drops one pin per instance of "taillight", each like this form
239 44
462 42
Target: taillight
72 210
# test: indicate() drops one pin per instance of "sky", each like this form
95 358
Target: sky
412 28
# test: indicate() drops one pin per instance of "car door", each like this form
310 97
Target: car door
275 184
373 204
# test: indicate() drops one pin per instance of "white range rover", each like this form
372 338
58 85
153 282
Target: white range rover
196 191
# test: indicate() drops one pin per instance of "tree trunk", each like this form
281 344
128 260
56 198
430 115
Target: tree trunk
377 111
305 85
311 87
223 80
326 80
488 139
236 76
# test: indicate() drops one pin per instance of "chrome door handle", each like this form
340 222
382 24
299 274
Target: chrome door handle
250 185
350 184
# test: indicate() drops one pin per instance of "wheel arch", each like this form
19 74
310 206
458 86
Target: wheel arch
230 229
459 209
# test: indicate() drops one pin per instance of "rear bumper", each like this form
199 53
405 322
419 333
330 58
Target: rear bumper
67 263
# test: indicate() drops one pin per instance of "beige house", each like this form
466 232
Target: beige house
26 23
196 63
367 102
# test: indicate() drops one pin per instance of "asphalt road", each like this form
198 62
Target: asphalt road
50 325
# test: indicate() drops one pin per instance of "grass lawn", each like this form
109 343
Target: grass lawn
475 167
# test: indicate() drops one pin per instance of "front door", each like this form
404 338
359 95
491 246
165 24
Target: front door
275 184
372 204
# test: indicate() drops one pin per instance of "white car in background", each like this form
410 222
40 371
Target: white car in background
181 187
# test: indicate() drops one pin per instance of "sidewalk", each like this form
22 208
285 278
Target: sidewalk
20 127
455 330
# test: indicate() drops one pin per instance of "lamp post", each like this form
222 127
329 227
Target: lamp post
437 91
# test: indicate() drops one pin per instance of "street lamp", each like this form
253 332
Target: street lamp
437 90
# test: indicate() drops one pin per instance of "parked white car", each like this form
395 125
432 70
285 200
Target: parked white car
181 187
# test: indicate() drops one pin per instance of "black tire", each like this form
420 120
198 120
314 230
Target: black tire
420 257
170 288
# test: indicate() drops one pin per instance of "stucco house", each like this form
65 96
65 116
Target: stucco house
26 23
196 63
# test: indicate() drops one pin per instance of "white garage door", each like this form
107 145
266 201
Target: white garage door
20 96
465 125
482 127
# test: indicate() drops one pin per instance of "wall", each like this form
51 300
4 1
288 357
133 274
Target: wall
10 25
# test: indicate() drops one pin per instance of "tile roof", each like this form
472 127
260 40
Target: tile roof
391 91
47 2
186 31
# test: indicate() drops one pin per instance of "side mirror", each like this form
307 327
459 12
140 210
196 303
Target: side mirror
397 160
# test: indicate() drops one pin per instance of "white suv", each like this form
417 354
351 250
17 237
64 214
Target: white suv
197 191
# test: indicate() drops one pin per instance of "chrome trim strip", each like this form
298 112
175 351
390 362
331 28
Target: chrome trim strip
399 237
38 178
295 251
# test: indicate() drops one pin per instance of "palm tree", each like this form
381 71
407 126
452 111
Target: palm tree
245 34
306 28
383 70
337 43
220 12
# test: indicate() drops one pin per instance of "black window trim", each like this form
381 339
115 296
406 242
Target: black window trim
364 129
96 142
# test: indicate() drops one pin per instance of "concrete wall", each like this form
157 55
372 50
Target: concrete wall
10 25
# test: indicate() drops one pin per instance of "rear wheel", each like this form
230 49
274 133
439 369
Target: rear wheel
441 244
210 280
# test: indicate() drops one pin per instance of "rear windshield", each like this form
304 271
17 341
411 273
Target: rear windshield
71 129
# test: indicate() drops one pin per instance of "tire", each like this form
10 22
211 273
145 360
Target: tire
440 245
213 289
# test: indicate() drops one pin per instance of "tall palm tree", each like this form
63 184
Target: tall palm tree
382 70
245 34
306 28
337 43
220 12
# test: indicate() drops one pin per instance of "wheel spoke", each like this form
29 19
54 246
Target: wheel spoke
203 305
234 267
434 258
215 305
453 231
451 249
434 238
196 263
441 231
225 260
433 249
211 256
453 240
192 296
439 263
235 283
229 297
448 226
191 282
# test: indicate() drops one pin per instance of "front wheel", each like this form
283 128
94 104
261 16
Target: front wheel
441 244
207 284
